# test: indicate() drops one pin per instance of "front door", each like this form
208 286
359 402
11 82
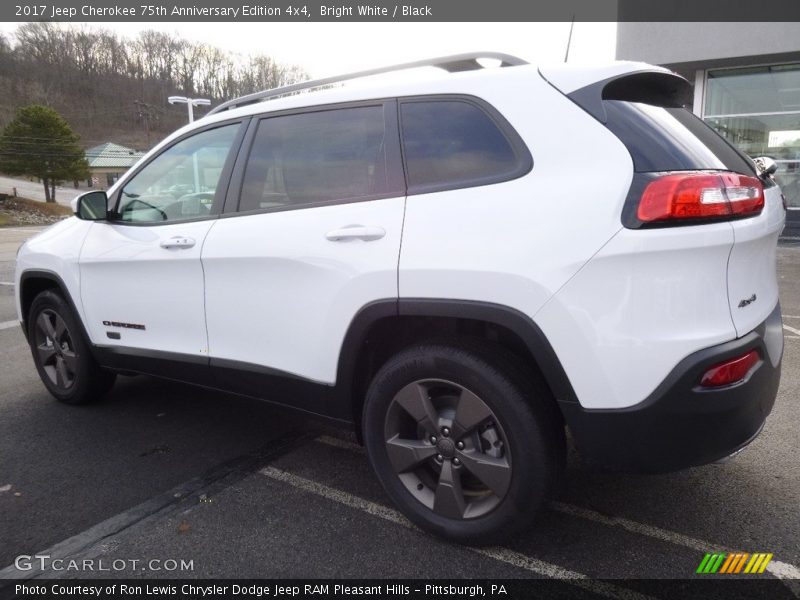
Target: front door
141 279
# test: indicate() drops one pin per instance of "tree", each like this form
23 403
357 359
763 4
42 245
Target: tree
38 142
92 76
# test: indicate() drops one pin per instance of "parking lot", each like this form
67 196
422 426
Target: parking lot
236 488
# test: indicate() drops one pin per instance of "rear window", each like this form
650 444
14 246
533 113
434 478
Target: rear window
665 138
647 112
450 144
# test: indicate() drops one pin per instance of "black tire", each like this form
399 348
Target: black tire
67 367
424 477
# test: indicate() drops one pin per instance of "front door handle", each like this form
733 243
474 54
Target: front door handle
355 232
178 241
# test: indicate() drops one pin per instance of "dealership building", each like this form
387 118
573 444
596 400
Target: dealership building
746 79
108 162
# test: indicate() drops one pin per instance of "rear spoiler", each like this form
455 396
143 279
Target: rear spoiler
633 82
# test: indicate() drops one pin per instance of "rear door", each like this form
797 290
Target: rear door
311 235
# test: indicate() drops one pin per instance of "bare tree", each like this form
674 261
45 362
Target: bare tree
90 75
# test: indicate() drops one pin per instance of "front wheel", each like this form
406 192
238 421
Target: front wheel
463 442
61 352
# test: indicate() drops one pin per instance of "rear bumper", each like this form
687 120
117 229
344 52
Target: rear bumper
680 424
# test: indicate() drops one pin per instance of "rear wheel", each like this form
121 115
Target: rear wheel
463 443
61 352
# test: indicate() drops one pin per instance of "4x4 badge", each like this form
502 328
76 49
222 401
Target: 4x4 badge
747 301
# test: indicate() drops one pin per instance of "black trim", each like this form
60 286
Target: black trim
649 87
241 379
395 177
112 352
242 366
336 402
682 424
167 365
278 387
221 200
395 168
522 325
230 206
524 160
352 345
341 401
220 192
56 278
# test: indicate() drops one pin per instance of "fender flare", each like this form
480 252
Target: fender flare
62 288
509 318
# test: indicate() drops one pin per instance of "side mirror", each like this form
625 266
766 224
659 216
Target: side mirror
765 165
91 206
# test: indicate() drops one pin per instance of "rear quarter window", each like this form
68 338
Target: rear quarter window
457 143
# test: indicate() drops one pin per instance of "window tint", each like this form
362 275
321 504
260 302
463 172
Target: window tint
181 182
315 157
452 144
670 139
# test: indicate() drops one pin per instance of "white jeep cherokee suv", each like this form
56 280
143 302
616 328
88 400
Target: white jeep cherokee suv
461 267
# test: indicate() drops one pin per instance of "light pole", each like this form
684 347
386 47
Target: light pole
190 103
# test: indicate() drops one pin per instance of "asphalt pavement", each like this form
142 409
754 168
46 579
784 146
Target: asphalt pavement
211 485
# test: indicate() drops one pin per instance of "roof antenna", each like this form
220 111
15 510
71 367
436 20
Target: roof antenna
569 40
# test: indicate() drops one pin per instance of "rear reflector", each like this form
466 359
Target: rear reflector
700 195
731 371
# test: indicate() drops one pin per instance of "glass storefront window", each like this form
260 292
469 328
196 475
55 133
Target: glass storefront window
753 90
757 109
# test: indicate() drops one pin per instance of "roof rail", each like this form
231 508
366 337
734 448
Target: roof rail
451 64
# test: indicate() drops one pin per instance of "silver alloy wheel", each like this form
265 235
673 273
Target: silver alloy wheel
55 350
448 448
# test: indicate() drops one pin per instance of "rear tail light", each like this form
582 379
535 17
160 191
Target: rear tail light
731 371
700 195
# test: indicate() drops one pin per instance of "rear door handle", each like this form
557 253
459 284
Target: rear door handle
178 241
355 232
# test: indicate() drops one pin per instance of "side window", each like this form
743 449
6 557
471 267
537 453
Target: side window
317 157
180 183
452 144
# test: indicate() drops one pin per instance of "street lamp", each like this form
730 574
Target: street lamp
189 102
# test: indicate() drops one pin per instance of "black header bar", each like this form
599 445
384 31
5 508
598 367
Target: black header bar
278 11
737 588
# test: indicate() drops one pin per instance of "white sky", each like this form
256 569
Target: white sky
324 49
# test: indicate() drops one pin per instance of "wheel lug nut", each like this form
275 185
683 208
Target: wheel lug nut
445 431
460 445
456 461
433 439
439 457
